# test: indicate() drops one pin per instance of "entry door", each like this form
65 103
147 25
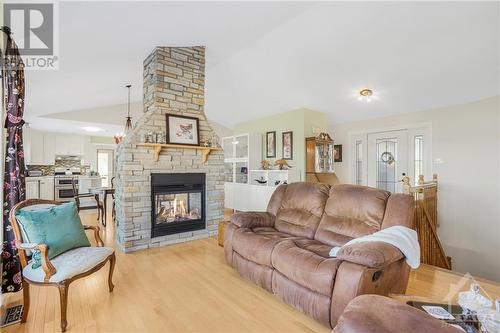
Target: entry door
105 166
387 160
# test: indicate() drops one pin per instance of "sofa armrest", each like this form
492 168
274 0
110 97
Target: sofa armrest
370 254
252 219
353 279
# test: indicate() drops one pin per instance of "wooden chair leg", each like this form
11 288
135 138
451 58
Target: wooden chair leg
26 301
112 262
63 297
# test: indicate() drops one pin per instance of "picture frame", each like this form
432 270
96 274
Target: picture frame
182 130
337 153
287 145
271 144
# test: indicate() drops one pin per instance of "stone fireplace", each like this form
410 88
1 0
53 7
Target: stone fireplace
176 197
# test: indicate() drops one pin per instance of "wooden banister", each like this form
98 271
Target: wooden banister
426 220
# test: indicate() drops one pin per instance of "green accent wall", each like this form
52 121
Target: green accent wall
303 122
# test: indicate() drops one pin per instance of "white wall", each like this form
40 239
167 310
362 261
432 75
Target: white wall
467 140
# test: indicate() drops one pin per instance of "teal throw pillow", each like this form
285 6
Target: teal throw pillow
58 226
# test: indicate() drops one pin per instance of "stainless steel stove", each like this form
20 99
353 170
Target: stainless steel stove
63 183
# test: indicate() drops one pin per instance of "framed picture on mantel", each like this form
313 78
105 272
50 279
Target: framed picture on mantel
183 130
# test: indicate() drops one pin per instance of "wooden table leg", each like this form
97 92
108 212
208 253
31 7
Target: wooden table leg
105 203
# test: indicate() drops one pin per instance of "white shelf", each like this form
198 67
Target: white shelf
274 177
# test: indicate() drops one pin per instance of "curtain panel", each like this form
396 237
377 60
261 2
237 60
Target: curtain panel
14 172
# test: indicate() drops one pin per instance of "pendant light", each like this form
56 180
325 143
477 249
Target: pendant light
128 123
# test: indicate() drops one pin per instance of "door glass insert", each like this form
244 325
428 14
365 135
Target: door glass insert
419 156
228 172
241 172
359 162
241 146
227 146
386 163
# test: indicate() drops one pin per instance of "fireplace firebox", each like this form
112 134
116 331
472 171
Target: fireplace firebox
177 202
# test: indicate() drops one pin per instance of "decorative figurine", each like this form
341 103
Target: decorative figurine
261 180
149 137
265 165
205 143
214 141
282 164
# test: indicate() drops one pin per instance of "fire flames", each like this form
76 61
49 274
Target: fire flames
174 211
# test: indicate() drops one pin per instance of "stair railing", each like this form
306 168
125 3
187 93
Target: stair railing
426 220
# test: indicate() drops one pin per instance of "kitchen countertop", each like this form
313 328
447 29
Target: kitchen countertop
38 177
45 177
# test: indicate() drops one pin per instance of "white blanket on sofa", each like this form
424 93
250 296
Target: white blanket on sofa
405 239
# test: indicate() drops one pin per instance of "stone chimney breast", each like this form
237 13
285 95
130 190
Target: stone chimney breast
174 83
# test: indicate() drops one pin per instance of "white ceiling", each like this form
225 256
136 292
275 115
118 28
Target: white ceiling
266 58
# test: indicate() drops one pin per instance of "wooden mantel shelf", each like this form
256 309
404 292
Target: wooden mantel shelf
205 151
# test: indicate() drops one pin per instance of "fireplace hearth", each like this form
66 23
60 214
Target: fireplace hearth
178 203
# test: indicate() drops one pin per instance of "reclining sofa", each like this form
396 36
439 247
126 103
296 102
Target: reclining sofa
285 250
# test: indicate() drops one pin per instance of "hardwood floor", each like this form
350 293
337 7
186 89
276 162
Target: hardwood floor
185 288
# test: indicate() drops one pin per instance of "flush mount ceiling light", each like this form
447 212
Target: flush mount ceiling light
91 129
365 95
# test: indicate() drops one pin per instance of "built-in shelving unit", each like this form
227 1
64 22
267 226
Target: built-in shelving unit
205 151
247 188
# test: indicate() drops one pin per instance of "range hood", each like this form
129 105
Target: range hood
68 157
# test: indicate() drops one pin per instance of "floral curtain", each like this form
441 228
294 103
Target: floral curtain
14 176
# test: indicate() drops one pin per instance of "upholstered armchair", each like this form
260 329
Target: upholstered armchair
63 269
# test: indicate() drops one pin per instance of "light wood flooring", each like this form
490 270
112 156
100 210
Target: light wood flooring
186 288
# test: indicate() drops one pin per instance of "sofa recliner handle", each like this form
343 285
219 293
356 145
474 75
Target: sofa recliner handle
377 275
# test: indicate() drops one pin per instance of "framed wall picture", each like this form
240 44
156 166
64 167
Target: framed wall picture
271 144
287 145
183 130
337 153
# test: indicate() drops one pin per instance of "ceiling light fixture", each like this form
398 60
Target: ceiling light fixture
128 123
91 129
366 95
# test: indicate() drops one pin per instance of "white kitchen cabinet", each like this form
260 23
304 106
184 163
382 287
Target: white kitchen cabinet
40 187
47 188
36 148
62 144
69 144
39 147
49 148
32 189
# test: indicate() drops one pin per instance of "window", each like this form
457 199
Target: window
419 156
359 162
